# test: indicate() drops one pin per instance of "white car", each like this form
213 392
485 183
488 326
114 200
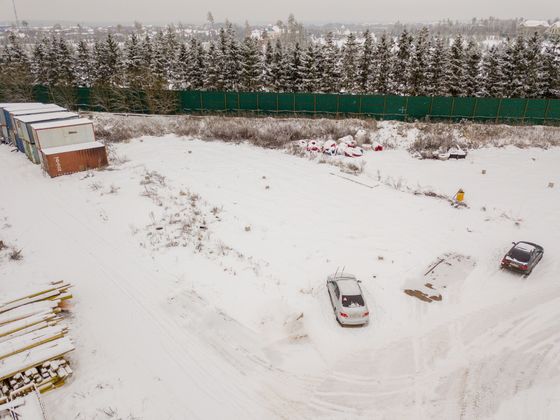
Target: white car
347 299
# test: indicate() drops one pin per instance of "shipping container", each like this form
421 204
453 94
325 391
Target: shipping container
38 109
22 122
62 133
73 158
12 111
12 105
15 105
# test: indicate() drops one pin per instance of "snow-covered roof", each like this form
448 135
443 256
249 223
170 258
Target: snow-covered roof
72 147
38 110
349 286
535 23
47 116
56 124
21 106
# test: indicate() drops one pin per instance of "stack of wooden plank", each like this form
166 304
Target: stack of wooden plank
33 342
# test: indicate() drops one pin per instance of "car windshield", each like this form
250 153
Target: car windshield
352 301
520 255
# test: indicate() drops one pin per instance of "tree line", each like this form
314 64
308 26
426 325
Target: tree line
411 64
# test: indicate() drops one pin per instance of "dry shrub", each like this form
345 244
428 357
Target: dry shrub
16 254
262 131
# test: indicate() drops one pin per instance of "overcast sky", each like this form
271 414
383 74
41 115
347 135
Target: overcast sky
258 11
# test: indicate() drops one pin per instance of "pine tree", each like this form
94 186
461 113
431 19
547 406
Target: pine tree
349 66
195 67
66 63
418 64
382 66
171 48
182 70
472 69
331 73
134 63
108 63
401 64
233 67
39 64
53 62
310 74
456 82
438 69
83 67
250 65
278 76
293 68
160 60
514 67
551 68
492 78
16 80
533 85
212 80
266 80
365 66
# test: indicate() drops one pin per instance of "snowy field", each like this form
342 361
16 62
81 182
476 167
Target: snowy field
200 273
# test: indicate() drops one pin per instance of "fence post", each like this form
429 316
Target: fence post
525 110
431 108
314 105
474 108
384 107
277 104
360 108
294 103
258 106
499 110
452 108
406 109
546 110
337 104
201 101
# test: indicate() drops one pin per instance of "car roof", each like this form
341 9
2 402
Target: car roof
524 246
348 286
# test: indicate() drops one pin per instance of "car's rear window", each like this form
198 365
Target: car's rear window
352 301
520 255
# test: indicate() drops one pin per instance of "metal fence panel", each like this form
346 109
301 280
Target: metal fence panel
373 106
535 111
486 109
248 101
268 102
463 108
285 103
349 105
419 107
395 107
190 101
213 101
305 103
552 113
512 110
442 107
326 104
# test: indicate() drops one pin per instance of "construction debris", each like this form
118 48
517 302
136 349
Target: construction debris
33 343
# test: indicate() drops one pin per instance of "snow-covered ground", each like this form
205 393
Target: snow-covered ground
200 274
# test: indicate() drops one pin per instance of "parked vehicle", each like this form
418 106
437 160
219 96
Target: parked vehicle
347 299
523 257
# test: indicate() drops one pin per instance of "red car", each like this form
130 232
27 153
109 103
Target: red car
523 257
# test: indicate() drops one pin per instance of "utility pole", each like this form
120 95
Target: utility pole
15 13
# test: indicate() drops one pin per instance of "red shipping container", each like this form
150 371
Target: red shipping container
65 160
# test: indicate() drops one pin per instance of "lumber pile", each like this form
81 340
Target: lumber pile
33 342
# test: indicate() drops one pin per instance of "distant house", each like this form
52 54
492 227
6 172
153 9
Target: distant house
554 29
532 26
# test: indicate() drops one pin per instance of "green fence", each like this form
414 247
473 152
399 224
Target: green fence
405 108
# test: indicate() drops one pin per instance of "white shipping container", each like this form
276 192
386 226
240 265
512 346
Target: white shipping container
23 120
62 133
14 106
